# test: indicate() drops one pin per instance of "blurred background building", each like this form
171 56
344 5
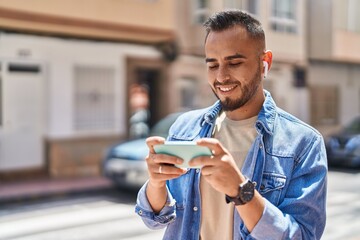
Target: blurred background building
74 73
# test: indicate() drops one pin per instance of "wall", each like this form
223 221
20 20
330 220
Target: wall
320 27
346 77
60 57
194 68
287 47
130 12
71 152
125 20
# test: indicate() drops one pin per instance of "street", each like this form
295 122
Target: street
343 211
96 216
109 215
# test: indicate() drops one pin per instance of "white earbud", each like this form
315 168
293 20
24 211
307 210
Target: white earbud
266 68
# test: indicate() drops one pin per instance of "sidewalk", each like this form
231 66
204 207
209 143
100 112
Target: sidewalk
17 191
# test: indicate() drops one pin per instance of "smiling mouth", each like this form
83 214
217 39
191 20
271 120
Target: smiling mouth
226 89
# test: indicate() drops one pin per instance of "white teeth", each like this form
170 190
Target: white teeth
226 89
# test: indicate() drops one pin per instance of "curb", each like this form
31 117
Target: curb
34 190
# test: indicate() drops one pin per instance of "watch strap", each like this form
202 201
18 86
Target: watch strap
237 200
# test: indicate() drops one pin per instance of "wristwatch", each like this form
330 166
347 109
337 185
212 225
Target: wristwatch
245 194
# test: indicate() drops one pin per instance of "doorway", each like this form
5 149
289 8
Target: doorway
22 118
147 93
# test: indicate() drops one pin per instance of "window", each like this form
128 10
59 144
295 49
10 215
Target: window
283 16
94 98
250 6
324 105
201 11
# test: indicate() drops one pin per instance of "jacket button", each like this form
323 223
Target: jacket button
197 170
140 212
262 187
195 209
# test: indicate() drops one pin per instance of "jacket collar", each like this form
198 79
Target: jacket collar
210 116
266 116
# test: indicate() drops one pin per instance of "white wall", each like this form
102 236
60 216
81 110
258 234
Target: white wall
59 56
288 97
346 77
286 47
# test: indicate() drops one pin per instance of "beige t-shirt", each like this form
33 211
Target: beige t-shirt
217 217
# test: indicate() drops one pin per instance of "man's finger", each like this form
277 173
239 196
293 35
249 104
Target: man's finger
212 143
208 170
170 170
202 161
167 159
155 140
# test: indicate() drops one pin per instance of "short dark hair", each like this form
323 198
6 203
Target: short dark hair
229 18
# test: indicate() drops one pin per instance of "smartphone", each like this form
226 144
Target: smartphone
186 150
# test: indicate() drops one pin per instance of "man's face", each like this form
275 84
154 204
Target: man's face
233 66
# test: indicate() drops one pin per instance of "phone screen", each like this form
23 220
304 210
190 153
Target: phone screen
183 149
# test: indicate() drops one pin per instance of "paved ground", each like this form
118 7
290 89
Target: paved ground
57 218
101 215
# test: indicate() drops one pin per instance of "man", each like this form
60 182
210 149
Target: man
267 176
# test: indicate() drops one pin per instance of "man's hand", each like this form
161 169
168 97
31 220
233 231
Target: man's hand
219 170
160 168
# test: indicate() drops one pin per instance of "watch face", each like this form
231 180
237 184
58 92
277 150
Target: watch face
247 191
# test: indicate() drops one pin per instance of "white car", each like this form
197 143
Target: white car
125 163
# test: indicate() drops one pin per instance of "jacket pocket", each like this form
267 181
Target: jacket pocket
271 186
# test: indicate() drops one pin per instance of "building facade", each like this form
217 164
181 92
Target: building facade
72 73
315 47
67 68
334 62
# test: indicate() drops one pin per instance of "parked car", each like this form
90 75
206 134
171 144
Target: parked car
343 148
125 163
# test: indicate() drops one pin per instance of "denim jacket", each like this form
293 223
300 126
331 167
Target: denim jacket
287 161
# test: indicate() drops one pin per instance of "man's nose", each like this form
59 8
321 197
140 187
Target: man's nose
222 75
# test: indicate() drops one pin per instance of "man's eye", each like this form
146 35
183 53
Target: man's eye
212 66
235 63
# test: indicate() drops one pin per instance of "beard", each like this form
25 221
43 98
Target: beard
247 90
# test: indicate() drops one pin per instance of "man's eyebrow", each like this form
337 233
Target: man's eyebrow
235 56
210 60
231 57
